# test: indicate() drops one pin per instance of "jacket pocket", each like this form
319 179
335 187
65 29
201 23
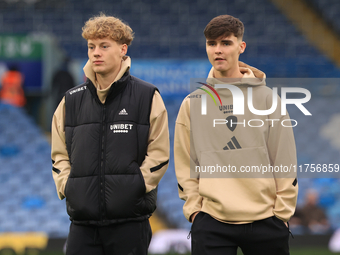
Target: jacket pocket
125 193
135 168
281 222
227 183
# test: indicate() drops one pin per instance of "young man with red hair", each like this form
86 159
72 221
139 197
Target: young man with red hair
110 148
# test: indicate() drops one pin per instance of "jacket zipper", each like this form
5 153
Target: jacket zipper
102 167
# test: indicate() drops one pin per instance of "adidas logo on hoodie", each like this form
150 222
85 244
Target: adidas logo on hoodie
233 144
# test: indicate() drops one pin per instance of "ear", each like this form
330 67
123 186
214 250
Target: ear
243 46
124 49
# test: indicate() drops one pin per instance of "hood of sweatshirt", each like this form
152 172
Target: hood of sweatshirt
251 76
102 93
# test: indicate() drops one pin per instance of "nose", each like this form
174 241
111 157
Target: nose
96 52
218 49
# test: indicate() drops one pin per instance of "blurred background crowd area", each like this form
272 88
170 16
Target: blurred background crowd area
295 42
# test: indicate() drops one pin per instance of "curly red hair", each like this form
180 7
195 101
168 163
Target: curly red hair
102 26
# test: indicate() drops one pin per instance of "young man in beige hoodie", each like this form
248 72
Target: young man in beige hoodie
235 170
110 148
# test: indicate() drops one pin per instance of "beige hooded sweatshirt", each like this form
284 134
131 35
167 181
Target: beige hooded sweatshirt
213 153
158 144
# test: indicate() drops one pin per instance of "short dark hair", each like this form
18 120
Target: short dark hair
224 25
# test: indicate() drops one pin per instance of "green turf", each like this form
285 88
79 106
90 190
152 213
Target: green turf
311 251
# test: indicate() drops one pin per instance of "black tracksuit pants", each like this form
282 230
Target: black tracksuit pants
129 238
264 237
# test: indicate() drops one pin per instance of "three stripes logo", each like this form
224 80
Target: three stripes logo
233 144
123 112
204 97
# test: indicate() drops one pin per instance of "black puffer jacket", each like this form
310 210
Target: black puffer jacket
106 144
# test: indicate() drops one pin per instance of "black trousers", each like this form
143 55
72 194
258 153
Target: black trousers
129 238
264 237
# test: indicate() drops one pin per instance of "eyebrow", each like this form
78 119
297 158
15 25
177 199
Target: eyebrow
229 41
223 41
99 44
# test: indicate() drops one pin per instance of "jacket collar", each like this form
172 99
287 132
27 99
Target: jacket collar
103 94
115 88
